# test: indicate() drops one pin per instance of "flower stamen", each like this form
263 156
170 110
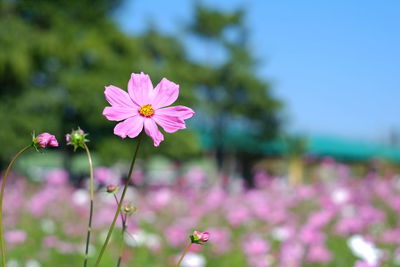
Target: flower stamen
146 111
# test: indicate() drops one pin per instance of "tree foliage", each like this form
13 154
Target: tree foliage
58 55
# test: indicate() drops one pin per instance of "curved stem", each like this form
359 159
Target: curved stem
184 253
89 229
110 230
3 186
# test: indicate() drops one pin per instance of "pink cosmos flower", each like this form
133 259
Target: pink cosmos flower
15 236
46 140
145 107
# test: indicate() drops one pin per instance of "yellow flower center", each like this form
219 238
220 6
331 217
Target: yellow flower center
146 110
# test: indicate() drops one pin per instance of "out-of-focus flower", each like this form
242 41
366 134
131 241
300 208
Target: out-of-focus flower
44 140
144 107
255 246
221 238
48 226
128 208
80 197
142 238
319 253
364 250
12 263
32 263
193 260
199 237
104 176
15 236
56 177
363 264
76 138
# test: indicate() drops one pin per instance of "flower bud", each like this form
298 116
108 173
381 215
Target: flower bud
199 237
76 138
44 140
128 208
111 189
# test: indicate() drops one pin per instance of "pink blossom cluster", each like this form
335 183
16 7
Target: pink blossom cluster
347 221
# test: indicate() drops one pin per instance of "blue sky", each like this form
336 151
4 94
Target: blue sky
335 64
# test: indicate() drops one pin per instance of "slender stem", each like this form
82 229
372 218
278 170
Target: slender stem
124 226
110 230
123 232
3 186
184 253
122 216
89 229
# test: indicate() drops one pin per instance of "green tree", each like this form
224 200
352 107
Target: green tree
59 55
237 100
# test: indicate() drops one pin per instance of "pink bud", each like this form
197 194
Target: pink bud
204 236
68 137
46 140
199 237
111 188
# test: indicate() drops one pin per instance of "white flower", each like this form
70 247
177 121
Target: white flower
340 196
48 226
193 260
364 249
32 263
280 233
142 238
12 263
80 197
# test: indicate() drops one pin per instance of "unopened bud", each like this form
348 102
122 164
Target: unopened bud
128 208
199 237
76 138
111 189
44 140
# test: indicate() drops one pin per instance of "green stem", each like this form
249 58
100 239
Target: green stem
110 230
3 186
89 230
184 253
116 200
122 247
123 220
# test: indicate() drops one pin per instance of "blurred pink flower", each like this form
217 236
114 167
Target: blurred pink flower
221 240
255 246
310 235
175 235
363 264
57 177
238 215
46 140
106 176
15 236
319 253
143 107
50 241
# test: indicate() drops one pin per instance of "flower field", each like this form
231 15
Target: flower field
345 221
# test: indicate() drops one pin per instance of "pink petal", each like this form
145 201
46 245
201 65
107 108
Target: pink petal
130 127
115 113
168 123
181 112
118 97
152 130
165 93
140 88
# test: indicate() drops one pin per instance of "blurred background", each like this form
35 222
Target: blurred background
294 101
